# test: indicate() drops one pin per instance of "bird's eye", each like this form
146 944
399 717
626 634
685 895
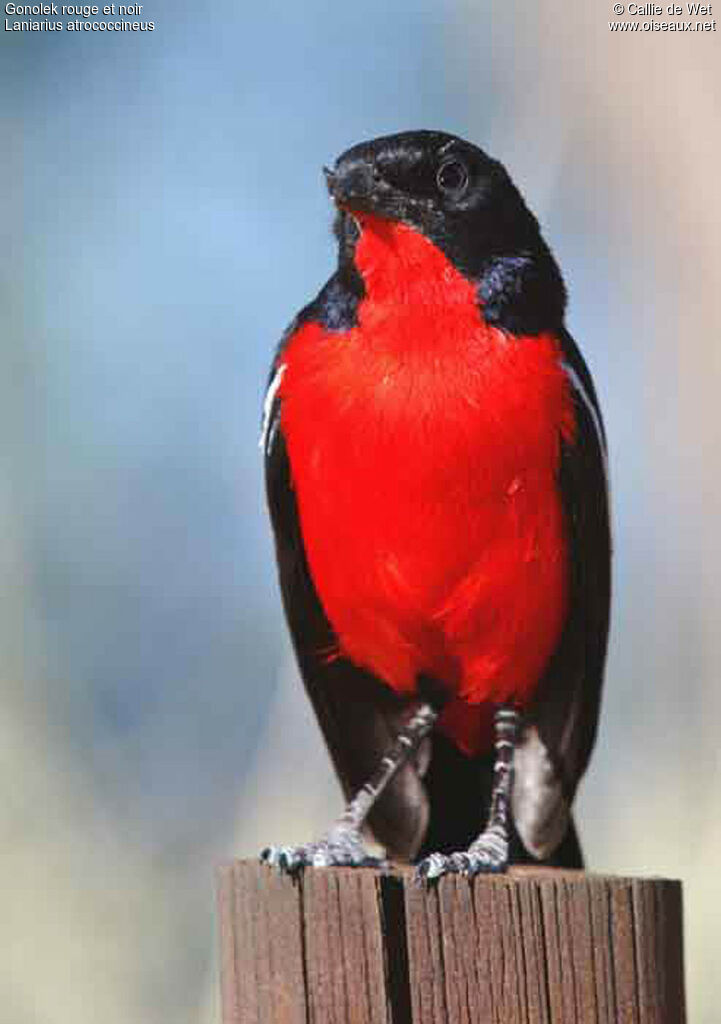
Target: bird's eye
452 177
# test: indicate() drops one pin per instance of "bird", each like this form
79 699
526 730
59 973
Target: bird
436 478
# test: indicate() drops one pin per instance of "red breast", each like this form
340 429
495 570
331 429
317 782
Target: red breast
424 446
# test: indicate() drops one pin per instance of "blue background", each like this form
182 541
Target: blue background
164 216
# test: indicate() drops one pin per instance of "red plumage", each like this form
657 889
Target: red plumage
425 446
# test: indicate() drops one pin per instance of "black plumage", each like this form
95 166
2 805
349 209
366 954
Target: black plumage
436 801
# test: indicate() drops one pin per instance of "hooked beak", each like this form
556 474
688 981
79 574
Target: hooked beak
351 185
329 179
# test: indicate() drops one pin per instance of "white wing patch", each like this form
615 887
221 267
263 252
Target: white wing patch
586 399
268 406
577 384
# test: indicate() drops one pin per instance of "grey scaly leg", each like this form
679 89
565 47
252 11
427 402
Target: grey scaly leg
489 852
343 843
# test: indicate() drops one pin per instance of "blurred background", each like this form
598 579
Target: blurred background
163 217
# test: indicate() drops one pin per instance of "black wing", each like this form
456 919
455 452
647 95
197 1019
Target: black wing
563 721
358 715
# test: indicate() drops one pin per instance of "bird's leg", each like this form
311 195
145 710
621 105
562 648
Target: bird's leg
343 843
489 852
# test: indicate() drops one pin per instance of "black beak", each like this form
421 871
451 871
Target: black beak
351 182
329 179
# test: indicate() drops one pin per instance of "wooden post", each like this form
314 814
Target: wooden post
344 946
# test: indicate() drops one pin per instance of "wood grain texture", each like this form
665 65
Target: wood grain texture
546 947
346 969
343 946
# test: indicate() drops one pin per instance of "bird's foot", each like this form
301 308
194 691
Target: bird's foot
341 847
487 855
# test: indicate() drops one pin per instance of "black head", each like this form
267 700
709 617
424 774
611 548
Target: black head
466 204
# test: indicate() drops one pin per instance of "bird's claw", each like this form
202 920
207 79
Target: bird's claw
340 848
480 859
